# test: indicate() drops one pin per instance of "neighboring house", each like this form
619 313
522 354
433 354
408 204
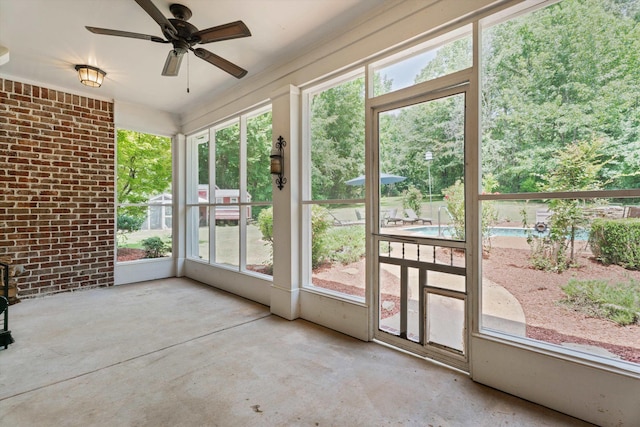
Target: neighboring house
226 200
159 213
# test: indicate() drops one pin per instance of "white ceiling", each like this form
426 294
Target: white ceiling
47 38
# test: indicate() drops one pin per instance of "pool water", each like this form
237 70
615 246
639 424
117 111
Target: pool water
432 231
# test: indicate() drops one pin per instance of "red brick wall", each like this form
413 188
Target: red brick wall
57 154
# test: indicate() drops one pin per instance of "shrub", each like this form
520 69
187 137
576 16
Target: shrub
412 199
345 244
129 219
129 223
320 223
154 247
265 224
616 241
547 250
530 185
454 198
618 302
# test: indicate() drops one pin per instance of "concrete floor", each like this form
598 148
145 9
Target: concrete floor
176 353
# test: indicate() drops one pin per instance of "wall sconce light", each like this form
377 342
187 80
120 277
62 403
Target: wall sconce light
277 162
90 76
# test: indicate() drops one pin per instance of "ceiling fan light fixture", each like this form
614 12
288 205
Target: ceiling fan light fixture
172 64
90 76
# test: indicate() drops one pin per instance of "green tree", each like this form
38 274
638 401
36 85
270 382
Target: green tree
227 146
451 57
258 152
436 126
577 168
550 78
227 156
203 162
406 134
412 199
455 203
144 166
143 170
337 139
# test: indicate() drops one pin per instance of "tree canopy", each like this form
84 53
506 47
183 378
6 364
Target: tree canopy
337 140
227 157
564 74
567 73
144 166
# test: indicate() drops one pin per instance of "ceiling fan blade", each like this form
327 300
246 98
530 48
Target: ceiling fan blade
152 11
172 64
221 63
128 34
232 30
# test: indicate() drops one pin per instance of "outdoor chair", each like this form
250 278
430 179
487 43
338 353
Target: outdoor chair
542 216
341 222
391 217
412 217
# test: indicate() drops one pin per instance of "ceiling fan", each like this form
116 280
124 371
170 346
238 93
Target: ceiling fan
183 36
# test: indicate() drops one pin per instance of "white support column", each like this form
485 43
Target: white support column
285 291
178 194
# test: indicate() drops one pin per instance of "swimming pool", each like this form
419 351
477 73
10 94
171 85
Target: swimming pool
432 231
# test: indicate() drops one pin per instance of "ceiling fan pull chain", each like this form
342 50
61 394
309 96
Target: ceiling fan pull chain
187 72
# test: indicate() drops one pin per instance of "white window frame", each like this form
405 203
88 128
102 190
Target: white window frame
306 200
241 203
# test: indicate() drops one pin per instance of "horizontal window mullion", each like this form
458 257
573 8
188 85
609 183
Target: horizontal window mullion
332 202
141 205
563 195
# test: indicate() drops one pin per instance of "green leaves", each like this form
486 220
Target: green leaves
155 247
577 168
337 140
565 73
259 137
412 199
619 302
227 156
616 242
144 166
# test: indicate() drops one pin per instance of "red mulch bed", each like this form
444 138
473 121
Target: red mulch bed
538 292
333 277
541 296
127 254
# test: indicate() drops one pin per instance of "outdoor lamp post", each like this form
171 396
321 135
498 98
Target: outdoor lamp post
428 156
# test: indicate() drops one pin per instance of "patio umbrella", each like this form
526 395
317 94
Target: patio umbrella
385 178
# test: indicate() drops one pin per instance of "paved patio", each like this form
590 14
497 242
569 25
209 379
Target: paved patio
176 353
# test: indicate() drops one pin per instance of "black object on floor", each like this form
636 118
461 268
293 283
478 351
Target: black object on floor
5 333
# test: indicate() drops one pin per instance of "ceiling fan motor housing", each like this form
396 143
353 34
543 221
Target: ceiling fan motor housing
180 11
185 31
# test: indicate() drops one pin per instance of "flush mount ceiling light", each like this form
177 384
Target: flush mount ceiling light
90 76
